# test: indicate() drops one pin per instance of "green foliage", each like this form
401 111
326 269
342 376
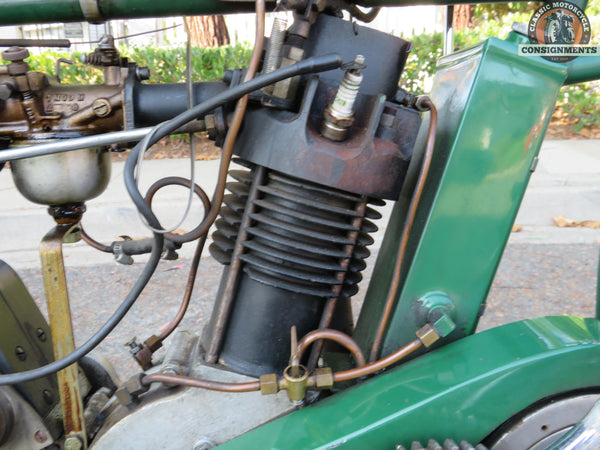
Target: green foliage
577 105
499 11
75 73
427 49
167 65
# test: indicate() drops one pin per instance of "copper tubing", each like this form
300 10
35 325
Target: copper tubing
199 383
332 335
94 243
255 385
412 210
179 181
234 128
224 307
189 287
187 295
378 365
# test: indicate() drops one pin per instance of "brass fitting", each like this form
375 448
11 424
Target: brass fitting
296 381
153 343
427 335
128 393
322 378
269 384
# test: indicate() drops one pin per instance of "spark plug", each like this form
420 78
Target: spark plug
339 115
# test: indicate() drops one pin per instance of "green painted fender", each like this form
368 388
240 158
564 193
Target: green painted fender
463 390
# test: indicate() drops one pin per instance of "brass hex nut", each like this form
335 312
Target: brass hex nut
153 343
323 378
427 335
268 384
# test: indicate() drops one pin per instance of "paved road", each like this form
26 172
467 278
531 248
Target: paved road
545 269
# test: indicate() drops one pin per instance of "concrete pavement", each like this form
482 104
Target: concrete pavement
566 182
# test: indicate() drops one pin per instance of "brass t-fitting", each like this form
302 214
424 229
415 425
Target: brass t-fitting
296 381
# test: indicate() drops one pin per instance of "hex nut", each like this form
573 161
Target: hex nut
323 378
427 335
268 384
153 343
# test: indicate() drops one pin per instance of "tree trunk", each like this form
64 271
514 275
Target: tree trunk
208 31
463 17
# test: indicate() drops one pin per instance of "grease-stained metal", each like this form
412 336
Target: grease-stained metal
57 298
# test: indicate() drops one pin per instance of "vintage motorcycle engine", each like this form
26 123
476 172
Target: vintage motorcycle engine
318 154
294 229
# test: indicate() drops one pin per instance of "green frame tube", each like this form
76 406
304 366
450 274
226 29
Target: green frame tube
15 12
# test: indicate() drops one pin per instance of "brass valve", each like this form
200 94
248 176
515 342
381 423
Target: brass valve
296 383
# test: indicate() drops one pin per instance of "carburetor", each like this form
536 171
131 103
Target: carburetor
36 108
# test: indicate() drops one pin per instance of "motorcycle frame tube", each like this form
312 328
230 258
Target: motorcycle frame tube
15 12
464 390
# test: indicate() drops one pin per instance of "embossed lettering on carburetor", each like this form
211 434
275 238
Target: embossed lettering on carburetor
64 102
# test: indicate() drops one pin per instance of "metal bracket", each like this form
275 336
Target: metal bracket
59 313
91 11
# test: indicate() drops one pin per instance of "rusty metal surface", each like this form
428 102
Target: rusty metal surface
224 305
57 298
291 143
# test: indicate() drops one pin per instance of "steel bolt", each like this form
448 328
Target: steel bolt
142 73
40 436
41 334
73 443
20 352
48 397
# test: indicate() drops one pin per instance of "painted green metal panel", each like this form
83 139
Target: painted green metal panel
598 292
464 390
493 109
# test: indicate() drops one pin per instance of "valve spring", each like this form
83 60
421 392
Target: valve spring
303 235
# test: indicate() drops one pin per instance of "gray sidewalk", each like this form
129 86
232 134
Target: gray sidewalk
566 182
